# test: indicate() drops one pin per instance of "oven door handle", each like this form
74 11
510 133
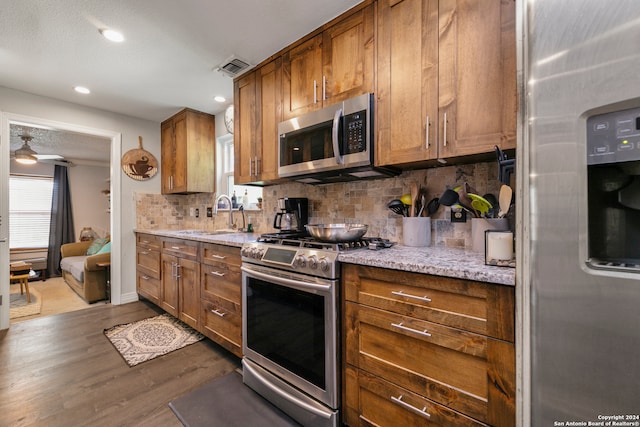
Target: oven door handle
286 282
334 137
286 395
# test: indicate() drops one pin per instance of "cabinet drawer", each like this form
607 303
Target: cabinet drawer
180 248
465 371
477 307
222 283
149 287
148 261
213 254
148 241
381 403
222 326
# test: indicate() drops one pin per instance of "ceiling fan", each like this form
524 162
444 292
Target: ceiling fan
27 156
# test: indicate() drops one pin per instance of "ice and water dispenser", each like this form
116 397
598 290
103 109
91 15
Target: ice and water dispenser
613 168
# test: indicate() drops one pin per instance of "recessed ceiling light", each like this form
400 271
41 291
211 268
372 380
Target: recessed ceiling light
220 98
112 35
81 89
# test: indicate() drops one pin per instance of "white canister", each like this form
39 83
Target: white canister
416 231
480 225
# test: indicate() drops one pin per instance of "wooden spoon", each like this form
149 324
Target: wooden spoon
414 198
504 200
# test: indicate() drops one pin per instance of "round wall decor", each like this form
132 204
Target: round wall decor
139 164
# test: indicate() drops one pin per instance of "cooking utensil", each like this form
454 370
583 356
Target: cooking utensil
493 212
449 197
432 206
479 203
504 200
396 206
422 204
337 232
465 201
414 197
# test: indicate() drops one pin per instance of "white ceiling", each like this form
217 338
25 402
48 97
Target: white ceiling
168 59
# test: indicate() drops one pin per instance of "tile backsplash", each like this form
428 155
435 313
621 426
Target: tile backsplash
352 202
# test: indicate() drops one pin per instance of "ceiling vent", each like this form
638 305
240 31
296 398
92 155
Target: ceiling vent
234 66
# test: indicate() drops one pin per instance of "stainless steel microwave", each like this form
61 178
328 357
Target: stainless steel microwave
332 144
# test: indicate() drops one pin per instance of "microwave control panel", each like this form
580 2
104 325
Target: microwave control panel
613 137
355 129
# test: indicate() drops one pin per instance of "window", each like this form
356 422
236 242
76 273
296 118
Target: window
29 211
224 168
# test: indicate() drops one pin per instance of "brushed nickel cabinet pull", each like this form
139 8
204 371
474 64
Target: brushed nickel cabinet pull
144 252
215 273
218 256
402 294
218 313
315 91
445 130
144 277
426 133
422 412
324 88
415 331
177 248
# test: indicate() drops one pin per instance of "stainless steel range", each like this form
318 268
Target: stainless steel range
290 323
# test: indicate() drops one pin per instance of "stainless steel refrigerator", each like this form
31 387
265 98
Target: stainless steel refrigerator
579 171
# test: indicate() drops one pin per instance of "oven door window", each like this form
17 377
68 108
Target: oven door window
286 326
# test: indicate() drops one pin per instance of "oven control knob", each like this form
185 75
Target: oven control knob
245 252
259 253
300 261
324 264
313 262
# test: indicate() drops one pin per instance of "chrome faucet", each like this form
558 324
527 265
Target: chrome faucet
215 209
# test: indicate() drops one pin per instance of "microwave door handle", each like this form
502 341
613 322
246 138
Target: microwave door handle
334 137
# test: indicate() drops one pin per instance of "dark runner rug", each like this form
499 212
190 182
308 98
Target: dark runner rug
147 339
227 402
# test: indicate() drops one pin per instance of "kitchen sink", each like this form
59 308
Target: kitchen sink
208 232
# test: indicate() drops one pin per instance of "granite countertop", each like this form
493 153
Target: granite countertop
436 260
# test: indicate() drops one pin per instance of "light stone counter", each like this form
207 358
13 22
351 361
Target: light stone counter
229 239
436 260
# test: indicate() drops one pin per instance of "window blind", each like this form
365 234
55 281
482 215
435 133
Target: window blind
29 211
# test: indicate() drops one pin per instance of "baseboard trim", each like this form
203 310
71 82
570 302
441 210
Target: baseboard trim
127 298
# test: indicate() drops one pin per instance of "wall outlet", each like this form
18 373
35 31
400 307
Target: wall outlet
192 211
458 215
209 212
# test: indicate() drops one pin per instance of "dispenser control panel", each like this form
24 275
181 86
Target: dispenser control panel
613 137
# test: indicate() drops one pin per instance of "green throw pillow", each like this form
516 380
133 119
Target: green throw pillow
105 249
97 245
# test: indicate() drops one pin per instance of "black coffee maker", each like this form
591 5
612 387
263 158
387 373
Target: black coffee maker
293 215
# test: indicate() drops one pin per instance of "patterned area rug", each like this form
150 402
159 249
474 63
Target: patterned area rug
19 307
147 339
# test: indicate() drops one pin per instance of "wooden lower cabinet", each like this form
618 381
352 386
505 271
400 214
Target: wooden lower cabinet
148 266
404 360
199 283
221 296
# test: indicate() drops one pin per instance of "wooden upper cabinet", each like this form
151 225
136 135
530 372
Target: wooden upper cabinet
188 153
460 57
334 65
244 127
258 110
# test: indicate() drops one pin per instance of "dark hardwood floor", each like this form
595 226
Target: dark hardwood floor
62 371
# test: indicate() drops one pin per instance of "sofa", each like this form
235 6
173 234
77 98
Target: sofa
81 273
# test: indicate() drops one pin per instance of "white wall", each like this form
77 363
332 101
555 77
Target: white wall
127 128
90 205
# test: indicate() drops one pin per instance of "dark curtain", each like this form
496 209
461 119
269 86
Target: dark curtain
61 230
